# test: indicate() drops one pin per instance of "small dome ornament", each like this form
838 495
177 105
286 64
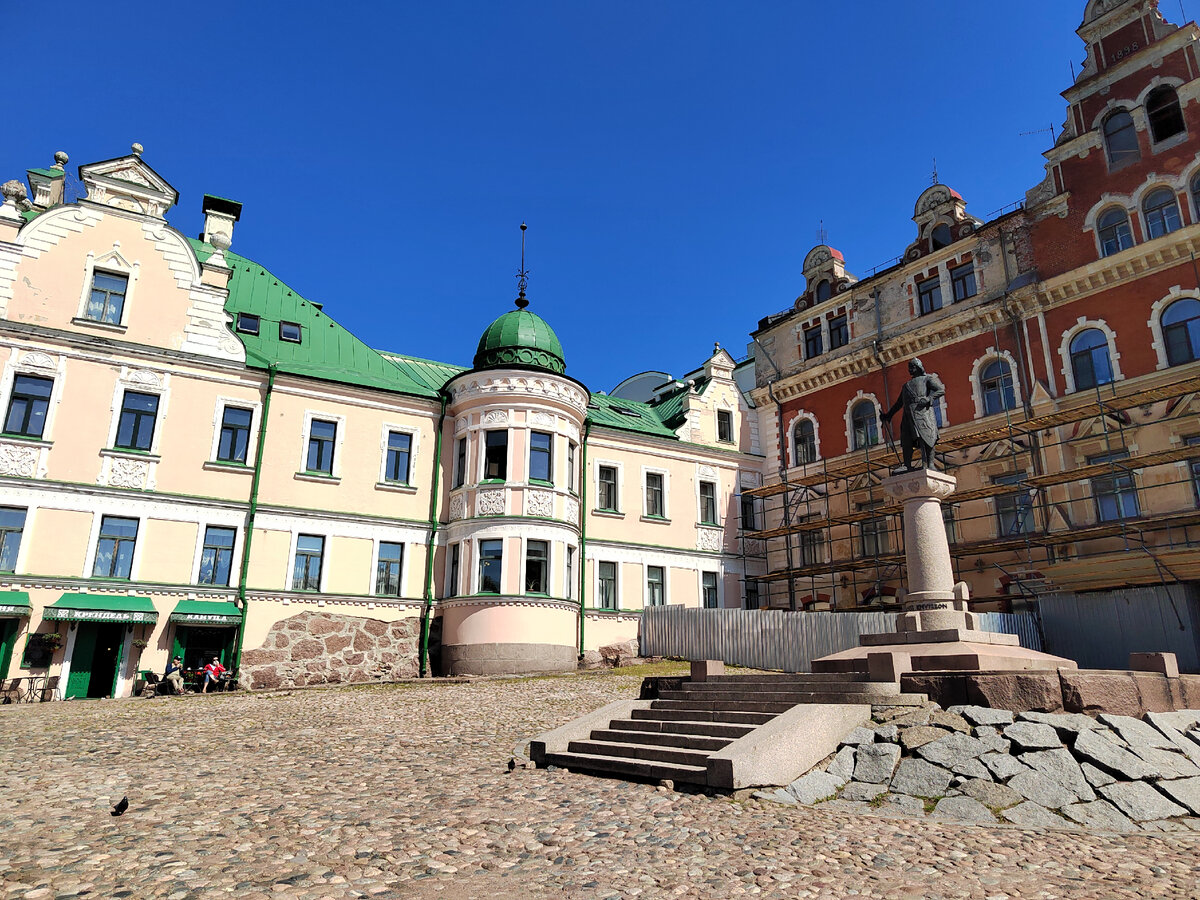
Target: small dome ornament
60 159
137 148
13 191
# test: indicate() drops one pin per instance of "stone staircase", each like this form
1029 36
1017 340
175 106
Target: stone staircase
676 736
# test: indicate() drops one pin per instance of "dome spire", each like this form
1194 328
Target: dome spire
522 274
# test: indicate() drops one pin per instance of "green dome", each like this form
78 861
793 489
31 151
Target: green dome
520 338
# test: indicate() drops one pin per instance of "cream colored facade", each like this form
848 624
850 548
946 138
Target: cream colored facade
154 409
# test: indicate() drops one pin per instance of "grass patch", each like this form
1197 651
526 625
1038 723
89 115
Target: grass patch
930 805
877 802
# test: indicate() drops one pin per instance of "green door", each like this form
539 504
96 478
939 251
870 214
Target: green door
81 660
106 660
8 637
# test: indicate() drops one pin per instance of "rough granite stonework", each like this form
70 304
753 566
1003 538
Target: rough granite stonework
320 648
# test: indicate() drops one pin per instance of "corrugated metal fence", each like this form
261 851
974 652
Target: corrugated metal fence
781 640
1100 629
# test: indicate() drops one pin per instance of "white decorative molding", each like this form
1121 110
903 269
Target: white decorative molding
706 472
1155 321
495 417
123 472
19 459
572 430
37 361
539 503
546 385
1064 349
458 505
854 401
460 425
144 378
572 510
789 437
544 419
989 356
709 539
490 503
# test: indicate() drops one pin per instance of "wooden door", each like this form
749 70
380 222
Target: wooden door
81 660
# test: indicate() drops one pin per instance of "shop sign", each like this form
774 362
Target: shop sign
100 615
8 609
205 619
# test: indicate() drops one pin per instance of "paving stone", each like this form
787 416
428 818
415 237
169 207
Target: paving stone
982 715
814 787
1184 791
1030 815
991 739
904 715
857 790
905 802
962 809
990 794
1099 749
1099 814
1140 801
919 735
843 765
952 750
1032 736
889 733
1041 790
1066 724
1165 825
949 720
920 778
1002 766
1135 732
859 736
971 768
847 806
876 763
778 796
1095 777
1060 766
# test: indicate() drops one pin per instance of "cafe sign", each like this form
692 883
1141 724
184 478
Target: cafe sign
8 610
205 619
66 614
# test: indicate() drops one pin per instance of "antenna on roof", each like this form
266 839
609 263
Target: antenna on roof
934 176
523 274
822 234
1053 133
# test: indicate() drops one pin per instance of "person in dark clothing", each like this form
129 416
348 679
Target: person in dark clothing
919 426
174 675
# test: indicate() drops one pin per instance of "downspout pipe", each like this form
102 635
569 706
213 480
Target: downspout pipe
427 608
583 483
248 540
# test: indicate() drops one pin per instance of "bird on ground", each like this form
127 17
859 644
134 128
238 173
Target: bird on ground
120 807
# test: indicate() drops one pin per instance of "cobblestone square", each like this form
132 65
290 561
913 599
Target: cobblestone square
404 791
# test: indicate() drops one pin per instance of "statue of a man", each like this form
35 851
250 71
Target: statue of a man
919 425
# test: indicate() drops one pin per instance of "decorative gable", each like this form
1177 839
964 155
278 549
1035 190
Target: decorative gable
130 184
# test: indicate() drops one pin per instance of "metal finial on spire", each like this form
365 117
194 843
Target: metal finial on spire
934 176
523 274
822 233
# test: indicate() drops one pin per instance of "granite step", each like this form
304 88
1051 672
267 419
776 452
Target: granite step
704 729
643 752
626 767
701 715
822 677
661 739
867 692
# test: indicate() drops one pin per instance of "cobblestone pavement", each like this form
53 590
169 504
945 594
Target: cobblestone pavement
403 791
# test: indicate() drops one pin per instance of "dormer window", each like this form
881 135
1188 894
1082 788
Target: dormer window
247 324
289 331
1120 137
108 298
824 290
1166 118
940 237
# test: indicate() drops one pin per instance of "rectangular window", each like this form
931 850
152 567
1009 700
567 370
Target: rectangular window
749 514
812 342
247 324
322 436
452 578
607 500
114 550
1116 494
570 574
387 571
537 567
235 434
1014 511
216 557
541 456
725 426
839 333
654 495
752 601
708 588
107 300
608 585
491 557
135 431
290 332
656 577
495 460
708 503
929 292
812 548
12 524
874 536
399 449
306 573
460 464
571 466
28 405
962 280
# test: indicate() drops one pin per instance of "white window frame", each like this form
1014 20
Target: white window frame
414 436
646 583
34 363
789 449
571 552
1064 350
549 565
481 457
700 573
141 381
666 493
255 408
339 443
715 481
139 542
990 355
19 566
548 430
404 567
478 558
326 551
596 464
854 401
108 261
1155 322
616 586
732 426
235 563
451 586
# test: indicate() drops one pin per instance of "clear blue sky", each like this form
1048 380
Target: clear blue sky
673 159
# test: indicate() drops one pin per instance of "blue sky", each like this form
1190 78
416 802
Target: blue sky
673 159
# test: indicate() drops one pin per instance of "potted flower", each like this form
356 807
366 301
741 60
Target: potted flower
52 640
139 644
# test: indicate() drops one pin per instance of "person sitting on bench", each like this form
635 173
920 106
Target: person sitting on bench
212 675
174 675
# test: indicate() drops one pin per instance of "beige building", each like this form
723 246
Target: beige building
197 460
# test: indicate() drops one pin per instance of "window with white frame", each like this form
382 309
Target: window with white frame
541 457
1090 362
12 526
322 439
864 425
397 457
135 428
495 455
571 466
216 555
28 405
607 577
1181 331
709 591
452 574
1115 233
607 499
307 565
569 575
724 426
388 568
708 503
114 548
537 567
106 301
804 442
1163 113
656 580
1160 212
656 499
491 563
996 387
460 463
233 442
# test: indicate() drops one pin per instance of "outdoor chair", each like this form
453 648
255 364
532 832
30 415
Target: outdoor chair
49 689
12 691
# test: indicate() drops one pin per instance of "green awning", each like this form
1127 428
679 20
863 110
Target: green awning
206 612
101 608
13 604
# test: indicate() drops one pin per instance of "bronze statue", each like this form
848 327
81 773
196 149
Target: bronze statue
919 425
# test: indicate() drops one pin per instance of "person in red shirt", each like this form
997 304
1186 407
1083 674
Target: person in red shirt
212 674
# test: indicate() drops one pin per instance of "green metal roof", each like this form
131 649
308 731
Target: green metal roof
627 415
14 604
326 350
432 374
101 608
47 173
520 338
206 612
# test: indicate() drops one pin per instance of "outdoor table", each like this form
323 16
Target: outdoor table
35 685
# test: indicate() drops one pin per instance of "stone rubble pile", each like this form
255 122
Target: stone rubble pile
980 765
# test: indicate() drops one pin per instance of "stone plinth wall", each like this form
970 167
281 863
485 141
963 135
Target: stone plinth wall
319 648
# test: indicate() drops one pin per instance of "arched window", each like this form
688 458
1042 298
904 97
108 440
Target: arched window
996 385
1181 331
1089 359
1196 195
941 237
1115 235
864 425
1120 137
1161 212
824 290
804 443
1162 109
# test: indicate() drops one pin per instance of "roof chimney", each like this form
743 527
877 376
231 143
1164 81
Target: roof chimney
219 215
